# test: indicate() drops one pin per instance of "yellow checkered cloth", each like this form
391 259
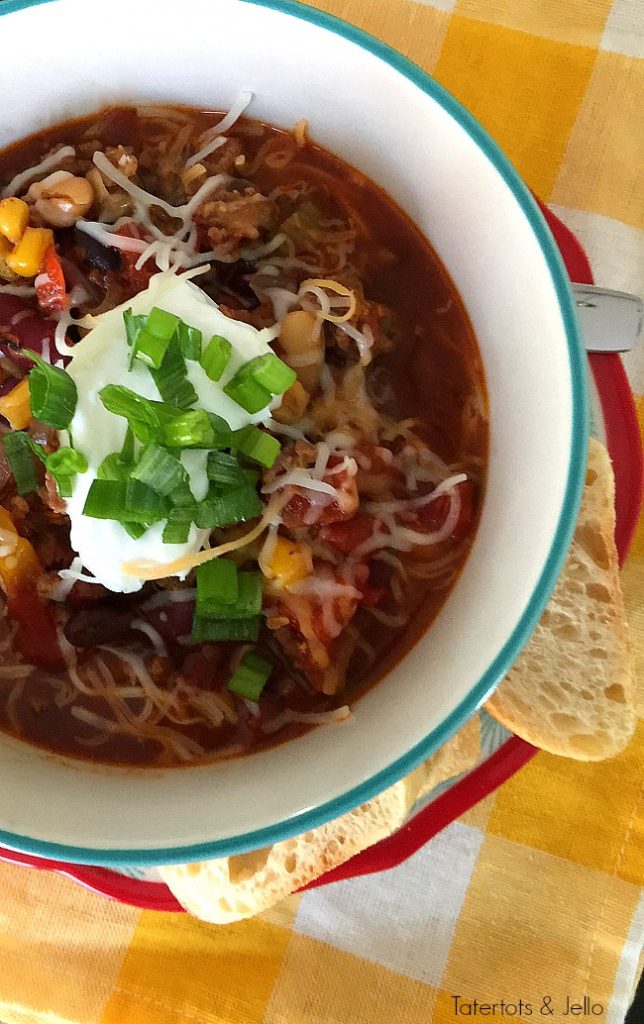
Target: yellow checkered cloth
536 893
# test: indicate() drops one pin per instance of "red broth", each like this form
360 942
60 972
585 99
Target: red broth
113 677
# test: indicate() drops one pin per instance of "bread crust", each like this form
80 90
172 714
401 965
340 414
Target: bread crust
571 691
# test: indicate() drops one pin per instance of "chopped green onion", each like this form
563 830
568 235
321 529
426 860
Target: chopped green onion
162 324
126 502
52 393
127 451
189 340
135 530
145 417
171 379
159 470
269 371
227 509
222 434
197 428
250 677
190 430
217 585
247 603
177 529
106 500
133 324
214 630
67 462
148 348
256 445
182 496
143 504
247 393
114 468
216 356
224 469
149 337
252 476
63 465
20 457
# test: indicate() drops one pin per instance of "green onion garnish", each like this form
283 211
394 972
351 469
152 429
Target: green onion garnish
250 677
248 393
171 379
269 371
149 336
19 454
227 509
223 469
216 356
127 451
190 430
133 324
217 585
161 323
126 502
67 462
145 418
189 340
197 429
256 445
177 528
159 470
247 603
215 630
63 465
114 468
255 382
182 496
148 348
143 504
52 393
135 530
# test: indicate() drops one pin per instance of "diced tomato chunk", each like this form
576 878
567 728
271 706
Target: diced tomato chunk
36 637
137 279
430 517
50 284
349 534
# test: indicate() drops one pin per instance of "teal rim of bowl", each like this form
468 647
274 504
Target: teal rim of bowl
319 815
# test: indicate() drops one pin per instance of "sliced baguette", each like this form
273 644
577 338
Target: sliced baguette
571 692
231 888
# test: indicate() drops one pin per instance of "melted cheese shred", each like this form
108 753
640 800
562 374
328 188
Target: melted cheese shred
53 160
315 286
145 570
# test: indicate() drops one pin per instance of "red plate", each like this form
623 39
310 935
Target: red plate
623 440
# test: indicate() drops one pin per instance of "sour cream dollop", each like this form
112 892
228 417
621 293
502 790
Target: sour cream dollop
102 358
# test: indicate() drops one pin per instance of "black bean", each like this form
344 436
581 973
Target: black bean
94 626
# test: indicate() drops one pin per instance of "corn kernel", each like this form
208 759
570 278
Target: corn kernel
289 563
27 257
19 564
15 406
14 217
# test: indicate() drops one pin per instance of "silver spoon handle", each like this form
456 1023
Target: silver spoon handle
610 321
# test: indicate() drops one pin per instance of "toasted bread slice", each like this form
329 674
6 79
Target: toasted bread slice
571 692
231 888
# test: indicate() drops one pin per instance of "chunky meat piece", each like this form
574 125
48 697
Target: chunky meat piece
316 621
234 217
307 507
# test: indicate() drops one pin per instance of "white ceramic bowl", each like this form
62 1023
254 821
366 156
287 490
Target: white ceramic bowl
385 116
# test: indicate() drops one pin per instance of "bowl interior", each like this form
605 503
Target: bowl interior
413 141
